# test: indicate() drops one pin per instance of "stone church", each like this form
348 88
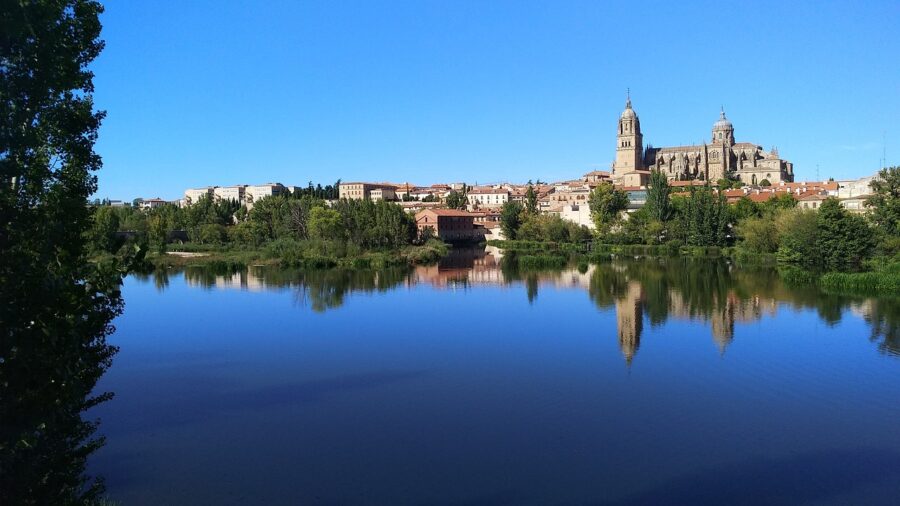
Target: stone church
721 158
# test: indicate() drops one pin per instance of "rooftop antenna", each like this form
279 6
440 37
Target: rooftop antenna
817 173
883 149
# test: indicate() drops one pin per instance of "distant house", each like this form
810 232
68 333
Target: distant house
152 203
448 224
597 176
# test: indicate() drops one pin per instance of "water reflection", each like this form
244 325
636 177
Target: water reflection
640 292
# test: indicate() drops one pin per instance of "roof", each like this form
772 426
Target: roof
488 191
597 173
447 212
687 183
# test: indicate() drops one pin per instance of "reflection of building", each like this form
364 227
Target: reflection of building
630 320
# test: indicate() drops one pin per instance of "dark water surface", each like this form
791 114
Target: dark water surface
630 382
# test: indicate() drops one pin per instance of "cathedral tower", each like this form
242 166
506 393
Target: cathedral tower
629 147
723 130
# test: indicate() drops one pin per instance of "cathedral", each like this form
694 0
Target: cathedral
721 158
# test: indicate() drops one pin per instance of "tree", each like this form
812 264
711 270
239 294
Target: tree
606 204
885 201
757 235
705 217
456 200
531 200
55 305
798 238
658 205
765 182
844 239
325 224
510 219
103 231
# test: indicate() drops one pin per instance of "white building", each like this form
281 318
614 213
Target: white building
488 197
253 193
233 193
193 195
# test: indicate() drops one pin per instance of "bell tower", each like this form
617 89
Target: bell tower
629 141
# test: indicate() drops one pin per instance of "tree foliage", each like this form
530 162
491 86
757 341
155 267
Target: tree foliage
510 219
885 201
55 306
607 203
659 205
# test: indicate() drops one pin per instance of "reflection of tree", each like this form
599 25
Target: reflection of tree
531 285
715 292
326 289
884 317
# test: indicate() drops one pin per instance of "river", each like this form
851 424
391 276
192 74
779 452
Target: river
635 381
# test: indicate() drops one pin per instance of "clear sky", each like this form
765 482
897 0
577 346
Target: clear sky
224 92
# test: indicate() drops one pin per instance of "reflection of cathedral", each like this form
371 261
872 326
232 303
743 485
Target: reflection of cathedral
724 314
630 320
720 158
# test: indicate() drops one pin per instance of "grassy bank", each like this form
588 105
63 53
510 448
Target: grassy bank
299 254
882 280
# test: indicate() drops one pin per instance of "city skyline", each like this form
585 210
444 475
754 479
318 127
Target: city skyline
468 92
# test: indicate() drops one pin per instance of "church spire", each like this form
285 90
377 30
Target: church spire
628 98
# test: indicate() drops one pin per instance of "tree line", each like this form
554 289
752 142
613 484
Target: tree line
829 238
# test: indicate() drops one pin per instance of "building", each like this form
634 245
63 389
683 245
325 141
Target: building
193 195
147 204
448 224
360 191
721 158
253 193
233 193
487 197
596 177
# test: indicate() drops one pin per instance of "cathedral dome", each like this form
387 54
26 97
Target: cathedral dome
628 113
723 123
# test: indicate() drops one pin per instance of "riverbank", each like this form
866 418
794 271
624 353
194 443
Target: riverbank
299 254
880 277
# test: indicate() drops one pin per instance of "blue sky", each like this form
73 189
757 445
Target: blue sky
216 93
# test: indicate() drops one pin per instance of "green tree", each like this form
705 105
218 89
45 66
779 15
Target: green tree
55 305
103 230
757 235
325 224
531 200
456 200
798 238
510 219
885 201
844 239
659 205
606 203
705 217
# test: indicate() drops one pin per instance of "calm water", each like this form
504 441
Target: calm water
631 382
